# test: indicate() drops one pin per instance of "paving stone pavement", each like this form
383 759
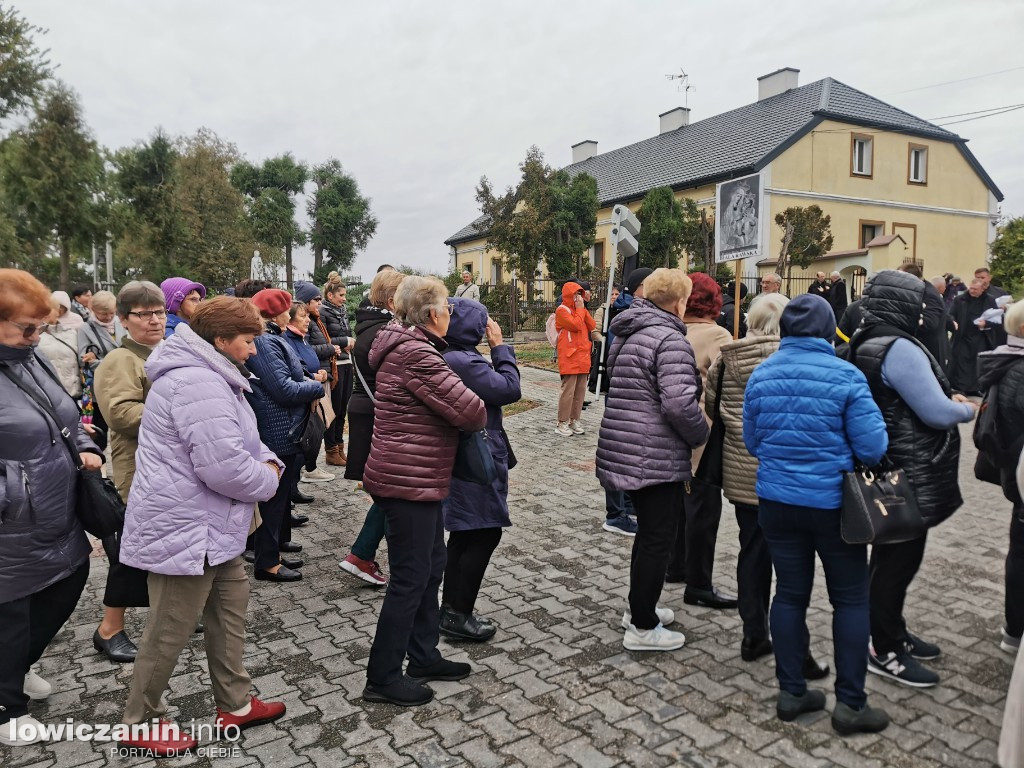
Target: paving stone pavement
555 687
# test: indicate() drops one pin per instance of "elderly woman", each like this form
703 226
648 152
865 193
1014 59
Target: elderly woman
921 416
327 353
182 297
1004 368
334 312
693 558
806 415
281 396
361 562
58 343
473 513
201 468
100 334
421 405
652 423
297 337
44 551
121 386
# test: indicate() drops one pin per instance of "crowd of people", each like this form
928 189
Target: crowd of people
216 409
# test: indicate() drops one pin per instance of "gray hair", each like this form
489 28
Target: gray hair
139 293
467 272
836 274
103 300
773 277
1013 320
765 313
416 296
937 281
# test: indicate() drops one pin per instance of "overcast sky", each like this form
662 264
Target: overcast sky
419 99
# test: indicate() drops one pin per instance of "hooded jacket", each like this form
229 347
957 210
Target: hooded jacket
369 321
1005 366
574 326
200 463
893 308
652 419
41 540
421 406
470 506
806 413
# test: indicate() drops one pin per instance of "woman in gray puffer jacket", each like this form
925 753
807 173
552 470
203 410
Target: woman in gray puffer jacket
652 422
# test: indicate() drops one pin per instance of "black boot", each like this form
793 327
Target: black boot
465 626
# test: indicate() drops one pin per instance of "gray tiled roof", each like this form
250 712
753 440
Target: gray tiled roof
740 141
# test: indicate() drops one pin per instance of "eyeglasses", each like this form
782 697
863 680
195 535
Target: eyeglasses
149 314
449 307
28 330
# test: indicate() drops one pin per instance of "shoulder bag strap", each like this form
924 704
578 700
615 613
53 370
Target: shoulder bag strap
718 393
47 409
366 387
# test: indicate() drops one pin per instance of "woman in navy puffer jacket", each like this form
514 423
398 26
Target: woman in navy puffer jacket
474 513
806 414
652 421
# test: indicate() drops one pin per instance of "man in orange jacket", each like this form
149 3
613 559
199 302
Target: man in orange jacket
574 324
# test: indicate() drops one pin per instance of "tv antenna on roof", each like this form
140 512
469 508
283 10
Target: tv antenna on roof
684 85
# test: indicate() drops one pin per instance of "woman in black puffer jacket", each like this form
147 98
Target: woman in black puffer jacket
334 313
921 417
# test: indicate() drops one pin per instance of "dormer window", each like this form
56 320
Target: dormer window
917 164
860 155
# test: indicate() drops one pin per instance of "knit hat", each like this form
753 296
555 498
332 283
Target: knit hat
176 289
272 302
808 315
305 291
636 277
62 298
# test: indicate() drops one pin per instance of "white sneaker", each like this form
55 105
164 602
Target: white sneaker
563 429
576 427
665 615
316 476
10 731
35 687
657 639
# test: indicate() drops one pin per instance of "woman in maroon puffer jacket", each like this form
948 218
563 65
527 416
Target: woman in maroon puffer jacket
421 405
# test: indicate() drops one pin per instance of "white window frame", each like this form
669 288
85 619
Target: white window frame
920 152
861 156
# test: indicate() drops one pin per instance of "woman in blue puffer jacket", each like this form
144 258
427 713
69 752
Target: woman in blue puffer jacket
473 513
806 415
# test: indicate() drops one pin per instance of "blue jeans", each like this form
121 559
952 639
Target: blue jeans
794 534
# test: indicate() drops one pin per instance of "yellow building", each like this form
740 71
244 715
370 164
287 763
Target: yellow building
876 170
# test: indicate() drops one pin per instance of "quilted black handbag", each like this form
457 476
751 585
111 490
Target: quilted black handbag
879 506
710 470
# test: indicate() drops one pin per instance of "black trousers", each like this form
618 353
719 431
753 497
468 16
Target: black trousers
892 568
469 553
693 557
276 515
27 625
753 574
657 517
409 616
340 394
1015 575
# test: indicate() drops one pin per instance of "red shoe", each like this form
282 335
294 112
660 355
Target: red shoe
260 713
168 741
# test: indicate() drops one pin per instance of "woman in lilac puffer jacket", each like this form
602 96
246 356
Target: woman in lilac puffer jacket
200 469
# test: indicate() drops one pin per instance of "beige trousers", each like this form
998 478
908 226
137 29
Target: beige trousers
176 603
570 400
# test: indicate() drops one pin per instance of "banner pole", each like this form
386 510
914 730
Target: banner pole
736 316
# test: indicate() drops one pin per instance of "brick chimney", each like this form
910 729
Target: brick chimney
584 150
779 81
674 119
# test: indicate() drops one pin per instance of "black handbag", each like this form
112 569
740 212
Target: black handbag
879 506
473 460
97 503
710 470
313 428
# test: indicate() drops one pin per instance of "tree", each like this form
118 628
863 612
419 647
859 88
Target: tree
1007 262
51 170
340 217
806 235
24 69
270 190
549 215
662 228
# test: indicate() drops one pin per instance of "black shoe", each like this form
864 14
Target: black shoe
464 626
789 706
439 670
249 556
753 648
813 670
119 649
445 609
199 629
299 520
922 650
847 720
290 546
292 562
709 598
283 574
300 497
404 692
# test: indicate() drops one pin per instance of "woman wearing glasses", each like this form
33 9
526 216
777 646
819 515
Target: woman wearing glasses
42 545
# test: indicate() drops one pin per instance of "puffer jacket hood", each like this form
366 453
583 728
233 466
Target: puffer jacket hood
894 298
808 315
185 349
992 366
367 317
469 321
569 291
